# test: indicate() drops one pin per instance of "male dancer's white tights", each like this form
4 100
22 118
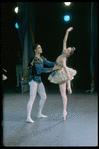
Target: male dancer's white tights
62 88
34 88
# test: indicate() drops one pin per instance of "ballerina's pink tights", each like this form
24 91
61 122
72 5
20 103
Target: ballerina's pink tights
62 88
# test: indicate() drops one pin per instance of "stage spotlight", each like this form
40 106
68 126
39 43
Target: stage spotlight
67 3
66 18
16 25
16 9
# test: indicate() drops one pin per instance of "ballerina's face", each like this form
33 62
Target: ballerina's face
68 52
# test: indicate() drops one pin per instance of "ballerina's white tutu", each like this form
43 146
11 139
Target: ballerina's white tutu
60 75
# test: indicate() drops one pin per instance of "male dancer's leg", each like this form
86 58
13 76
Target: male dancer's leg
33 91
42 93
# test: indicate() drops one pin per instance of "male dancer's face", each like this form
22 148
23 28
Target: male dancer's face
38 49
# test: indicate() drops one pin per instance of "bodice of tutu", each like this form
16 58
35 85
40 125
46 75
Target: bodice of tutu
59 63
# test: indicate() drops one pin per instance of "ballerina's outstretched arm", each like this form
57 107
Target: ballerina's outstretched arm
65 38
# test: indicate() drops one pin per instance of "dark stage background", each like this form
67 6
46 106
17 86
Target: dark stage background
50 29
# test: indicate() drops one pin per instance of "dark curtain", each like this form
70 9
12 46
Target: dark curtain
26 21
94 46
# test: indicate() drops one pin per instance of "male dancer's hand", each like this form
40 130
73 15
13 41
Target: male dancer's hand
56 67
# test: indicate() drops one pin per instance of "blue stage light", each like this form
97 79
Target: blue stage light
16 25
66 18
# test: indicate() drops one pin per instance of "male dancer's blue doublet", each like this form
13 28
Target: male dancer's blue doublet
38 68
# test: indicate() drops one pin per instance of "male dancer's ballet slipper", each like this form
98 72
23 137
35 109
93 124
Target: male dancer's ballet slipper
29 120
41 115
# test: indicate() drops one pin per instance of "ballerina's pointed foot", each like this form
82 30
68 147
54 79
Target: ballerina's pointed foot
64 115
69 91
29 120
41 115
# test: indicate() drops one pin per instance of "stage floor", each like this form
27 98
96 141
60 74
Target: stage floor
80 128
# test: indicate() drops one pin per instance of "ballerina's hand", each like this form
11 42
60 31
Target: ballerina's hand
69 29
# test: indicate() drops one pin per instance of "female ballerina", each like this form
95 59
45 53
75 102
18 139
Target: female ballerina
64 75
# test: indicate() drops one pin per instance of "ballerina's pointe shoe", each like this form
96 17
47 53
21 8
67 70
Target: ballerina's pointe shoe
29 120
64 115
41 115
69 91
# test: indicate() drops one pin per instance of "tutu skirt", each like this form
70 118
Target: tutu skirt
60 76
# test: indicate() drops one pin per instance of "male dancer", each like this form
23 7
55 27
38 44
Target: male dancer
35 82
